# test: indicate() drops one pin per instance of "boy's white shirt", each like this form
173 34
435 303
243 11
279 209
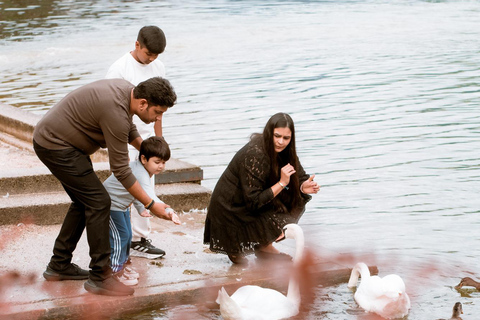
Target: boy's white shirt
121 198
135 72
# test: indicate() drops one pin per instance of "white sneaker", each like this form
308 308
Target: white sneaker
130 272
126 280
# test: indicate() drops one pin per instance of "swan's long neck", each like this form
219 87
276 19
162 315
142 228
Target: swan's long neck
360 270
293 292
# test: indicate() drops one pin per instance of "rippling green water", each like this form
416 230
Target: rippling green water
385 96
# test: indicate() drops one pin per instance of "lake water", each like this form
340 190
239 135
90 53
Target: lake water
385 96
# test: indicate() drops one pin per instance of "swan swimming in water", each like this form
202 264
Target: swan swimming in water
384 296
257 303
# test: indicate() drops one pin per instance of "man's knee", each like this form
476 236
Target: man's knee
103 202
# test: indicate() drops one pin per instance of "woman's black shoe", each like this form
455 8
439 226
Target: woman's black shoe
272 256
237 259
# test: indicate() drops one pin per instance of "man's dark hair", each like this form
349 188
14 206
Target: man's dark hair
155 147
157 91
152 38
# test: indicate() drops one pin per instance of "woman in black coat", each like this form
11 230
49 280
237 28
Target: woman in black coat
263 189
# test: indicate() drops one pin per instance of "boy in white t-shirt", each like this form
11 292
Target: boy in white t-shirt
137 66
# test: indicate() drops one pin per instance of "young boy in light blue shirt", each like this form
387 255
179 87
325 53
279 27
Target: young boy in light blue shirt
154 152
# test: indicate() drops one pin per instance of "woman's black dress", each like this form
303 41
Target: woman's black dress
241 213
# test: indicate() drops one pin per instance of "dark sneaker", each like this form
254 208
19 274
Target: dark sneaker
108 287
73 272
145 249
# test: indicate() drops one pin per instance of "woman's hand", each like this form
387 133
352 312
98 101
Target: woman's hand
310 186
285 174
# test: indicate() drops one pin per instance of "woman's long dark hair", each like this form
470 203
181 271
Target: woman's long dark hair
289 199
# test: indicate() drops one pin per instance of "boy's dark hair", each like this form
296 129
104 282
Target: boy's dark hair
155 147
157 91
152 38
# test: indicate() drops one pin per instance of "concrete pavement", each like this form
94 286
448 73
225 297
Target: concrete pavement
188 274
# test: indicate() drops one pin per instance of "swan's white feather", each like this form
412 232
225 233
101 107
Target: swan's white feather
384 296
257 303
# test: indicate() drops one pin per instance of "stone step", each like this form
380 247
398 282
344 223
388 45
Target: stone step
33 194
39 179
47 208
17 122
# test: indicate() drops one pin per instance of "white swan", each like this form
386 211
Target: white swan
257 303
384 296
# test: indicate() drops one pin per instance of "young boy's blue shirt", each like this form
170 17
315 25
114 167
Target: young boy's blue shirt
121 198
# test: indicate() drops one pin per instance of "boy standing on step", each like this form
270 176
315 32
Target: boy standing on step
154 152
137 66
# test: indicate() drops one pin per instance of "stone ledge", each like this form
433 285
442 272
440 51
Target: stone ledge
39 179
50 207
17 122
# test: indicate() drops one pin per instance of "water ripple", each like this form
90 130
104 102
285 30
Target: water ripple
384 94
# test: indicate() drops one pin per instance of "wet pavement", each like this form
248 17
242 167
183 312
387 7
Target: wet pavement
188 273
